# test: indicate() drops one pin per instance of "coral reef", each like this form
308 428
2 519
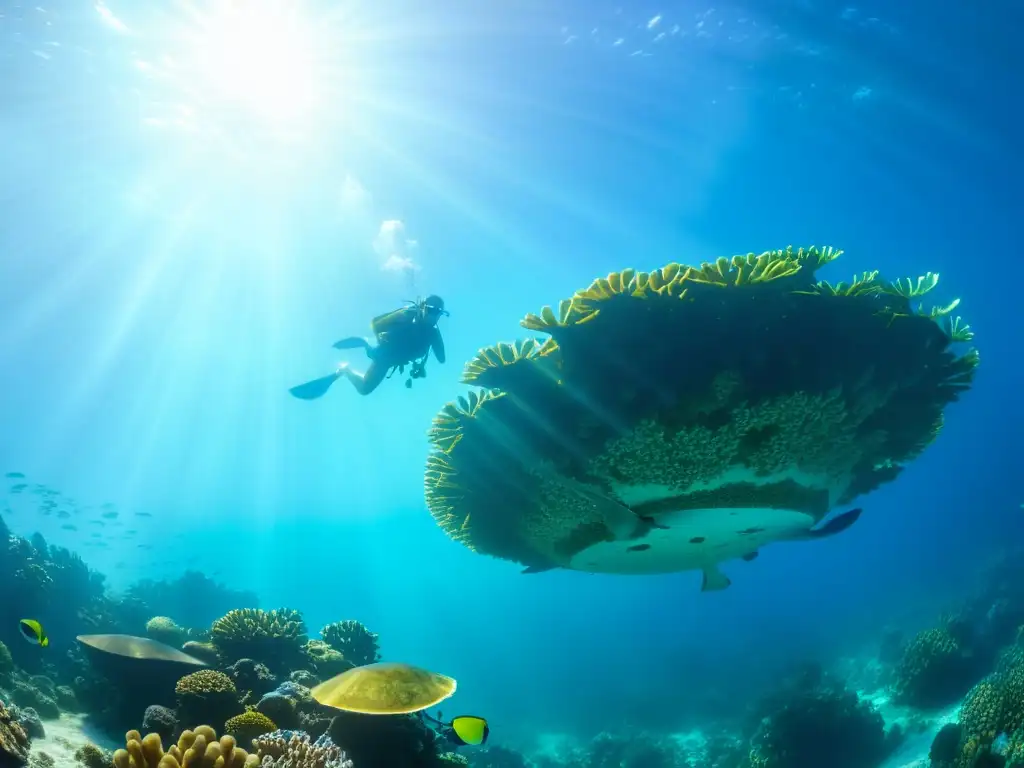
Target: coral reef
327 661
373 741
293 749
165 630
90 756
720 412
249 725
198 748
353 641
251 678
205 652
274 638
14 742
817 721
160 720
206 696
935 669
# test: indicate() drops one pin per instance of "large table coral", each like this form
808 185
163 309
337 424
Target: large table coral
682 417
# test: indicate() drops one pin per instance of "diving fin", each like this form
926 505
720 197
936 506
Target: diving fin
713 580
651 523
538 568
352 342
316 388
837 524
750 556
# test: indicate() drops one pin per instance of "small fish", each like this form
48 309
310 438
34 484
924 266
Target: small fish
69 527
143 514
15 475
109 515
33 631
18 488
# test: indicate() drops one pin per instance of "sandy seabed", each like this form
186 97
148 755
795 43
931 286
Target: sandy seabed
66 735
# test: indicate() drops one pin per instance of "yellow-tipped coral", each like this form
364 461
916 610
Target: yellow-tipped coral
198 748
736 403
248 726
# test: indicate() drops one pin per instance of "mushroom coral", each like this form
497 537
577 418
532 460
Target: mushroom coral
744 388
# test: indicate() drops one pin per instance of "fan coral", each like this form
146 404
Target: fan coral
736 403
354 641
198 748
934 670
164 630
249 725
274 638
206 696
293 749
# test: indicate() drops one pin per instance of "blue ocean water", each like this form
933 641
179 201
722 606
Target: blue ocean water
193 213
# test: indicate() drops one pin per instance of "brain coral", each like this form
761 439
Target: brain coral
739 398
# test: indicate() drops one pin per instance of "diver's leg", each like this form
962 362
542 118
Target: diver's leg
365 383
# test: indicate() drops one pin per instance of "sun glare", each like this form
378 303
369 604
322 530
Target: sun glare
260 55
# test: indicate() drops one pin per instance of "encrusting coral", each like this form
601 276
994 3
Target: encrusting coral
353 641
739 384
198 748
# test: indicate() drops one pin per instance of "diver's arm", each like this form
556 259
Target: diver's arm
437 344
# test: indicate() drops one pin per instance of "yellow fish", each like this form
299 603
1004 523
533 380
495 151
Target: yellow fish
33 631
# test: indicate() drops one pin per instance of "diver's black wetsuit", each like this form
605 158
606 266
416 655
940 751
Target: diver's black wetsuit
404 345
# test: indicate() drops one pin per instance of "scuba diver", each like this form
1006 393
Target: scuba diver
404 337
464 730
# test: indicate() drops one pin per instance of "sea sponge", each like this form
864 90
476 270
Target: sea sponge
206 695
165 630
198 748
248 725
353 640
274 638
293 749
740 383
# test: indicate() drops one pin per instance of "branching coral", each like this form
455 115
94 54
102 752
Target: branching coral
293 749
14 742
274 638
353 641
197 748
742 383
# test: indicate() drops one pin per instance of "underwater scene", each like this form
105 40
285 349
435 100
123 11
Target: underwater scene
517 384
